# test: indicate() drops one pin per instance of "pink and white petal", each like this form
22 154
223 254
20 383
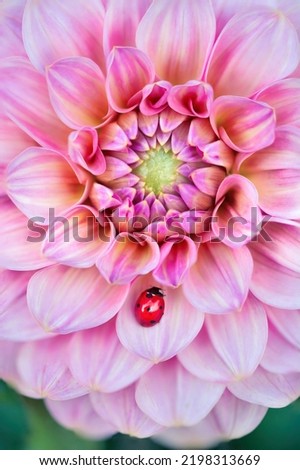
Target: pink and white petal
20 240
11 43
219 154
236 217
208 179
129 124
176 258
201 359
275 172
77 238
240 337
244 45
99 362
194 98
171 396
194 198
283 96
280 242
286 322
83 150
244 125
21 88
51 31
68 81
268 389
65 299
129 70
156 343
201 133
122 32
177 39
121 410
113 137
78 415
276 362
102 197
16 321
225 10
39 180
272 282
13 140
8 357
130 255
43 370
219 281
154 97
231 418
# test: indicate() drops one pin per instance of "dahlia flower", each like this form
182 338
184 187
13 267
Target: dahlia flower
151 144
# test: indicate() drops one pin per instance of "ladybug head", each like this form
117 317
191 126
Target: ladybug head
155 291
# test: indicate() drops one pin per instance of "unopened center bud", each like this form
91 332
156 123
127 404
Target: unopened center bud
158 171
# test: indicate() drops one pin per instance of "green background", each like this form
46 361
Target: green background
25 424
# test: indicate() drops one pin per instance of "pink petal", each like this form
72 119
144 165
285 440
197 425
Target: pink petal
219 281
275 172
208 179
122 32
11 43
78 415
83 149
39 180
274 280
201 359
156 343
171 396
176 258
240 337
120 409
9 354
231 418
129 124
43 370
77 238
201 133
129 256
278 363
194 198
286 322
243 124
244 45
267 389
148 124
154 97
53 30
284 97
102 197
177 39
218 153
64 299
68 81
112 137
20 246
129 70
236 217
21 88
194 98
13 140
98 360
17 323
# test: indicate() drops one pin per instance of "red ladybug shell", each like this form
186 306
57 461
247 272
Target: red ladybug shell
150 306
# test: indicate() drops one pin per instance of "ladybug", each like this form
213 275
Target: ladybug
150 306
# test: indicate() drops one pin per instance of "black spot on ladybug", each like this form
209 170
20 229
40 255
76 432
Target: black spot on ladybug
152 322
148 309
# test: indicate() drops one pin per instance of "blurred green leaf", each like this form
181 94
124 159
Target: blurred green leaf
13 419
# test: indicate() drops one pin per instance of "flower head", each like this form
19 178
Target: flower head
149 240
